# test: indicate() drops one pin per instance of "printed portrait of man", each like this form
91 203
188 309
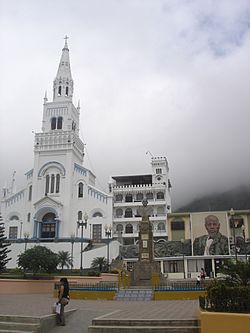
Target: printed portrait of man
213 243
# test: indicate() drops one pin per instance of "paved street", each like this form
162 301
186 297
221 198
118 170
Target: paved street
78 322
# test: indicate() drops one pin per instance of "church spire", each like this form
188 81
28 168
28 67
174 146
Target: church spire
63 83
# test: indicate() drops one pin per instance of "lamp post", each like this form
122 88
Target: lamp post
244 237
26 237
234 225
82 224
72 239
108 233
183 257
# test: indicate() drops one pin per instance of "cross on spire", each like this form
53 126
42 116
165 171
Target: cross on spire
66 44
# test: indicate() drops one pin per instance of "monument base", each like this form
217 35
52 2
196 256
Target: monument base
142 273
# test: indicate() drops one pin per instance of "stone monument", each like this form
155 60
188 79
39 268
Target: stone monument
145 267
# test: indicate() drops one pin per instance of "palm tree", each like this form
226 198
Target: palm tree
99 263
64 259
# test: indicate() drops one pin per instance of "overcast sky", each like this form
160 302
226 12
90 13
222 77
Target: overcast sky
166 76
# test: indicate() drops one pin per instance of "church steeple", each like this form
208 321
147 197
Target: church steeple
63 83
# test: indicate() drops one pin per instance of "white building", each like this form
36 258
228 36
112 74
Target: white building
128 193
59 189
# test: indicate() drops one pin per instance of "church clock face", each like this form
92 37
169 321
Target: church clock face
158 178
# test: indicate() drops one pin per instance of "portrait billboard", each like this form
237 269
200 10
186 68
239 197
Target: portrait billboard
210 235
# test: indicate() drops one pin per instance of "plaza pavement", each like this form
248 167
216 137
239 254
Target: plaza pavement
78 322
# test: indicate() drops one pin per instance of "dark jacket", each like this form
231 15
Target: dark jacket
218 246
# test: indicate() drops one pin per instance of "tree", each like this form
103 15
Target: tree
38 259
3 247
236 273
64 259
99 263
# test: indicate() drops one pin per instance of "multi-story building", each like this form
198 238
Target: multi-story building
128 193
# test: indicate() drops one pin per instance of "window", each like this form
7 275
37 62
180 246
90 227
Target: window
160 211
161 226
52 185
59 122
149 196
160 196
159 171
119 228
128 212
14 217
80 190
53 123
28 217
128 198
13 232
97 214
47 185
129 229
178 230
30 192
57 183
60 91
118 212
79 215
67 91
139 197
118 198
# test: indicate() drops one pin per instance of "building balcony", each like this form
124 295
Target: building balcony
155 202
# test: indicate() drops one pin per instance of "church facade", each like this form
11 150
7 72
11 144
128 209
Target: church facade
60 192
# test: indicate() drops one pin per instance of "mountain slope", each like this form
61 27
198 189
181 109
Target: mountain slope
238 198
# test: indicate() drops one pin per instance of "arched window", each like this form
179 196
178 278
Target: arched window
160 195
80 190
57 183
59 122
14 217
60 91
53 123
149 196
30 192
129 229
161 211
161 226
128 198
118 212
28 217
139 197
67 91
118 198
47 185
128 212
119 228
79 215
52 185
97 214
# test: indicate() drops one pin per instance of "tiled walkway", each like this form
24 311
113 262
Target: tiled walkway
38 305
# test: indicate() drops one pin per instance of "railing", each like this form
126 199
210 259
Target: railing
234 304
102 286
179 286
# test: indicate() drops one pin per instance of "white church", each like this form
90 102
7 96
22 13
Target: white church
61 207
